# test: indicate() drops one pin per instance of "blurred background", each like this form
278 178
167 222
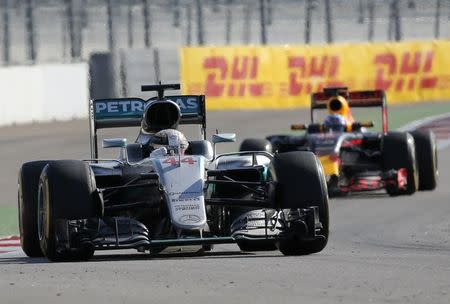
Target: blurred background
54 31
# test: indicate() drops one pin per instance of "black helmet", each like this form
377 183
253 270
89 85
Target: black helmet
160 115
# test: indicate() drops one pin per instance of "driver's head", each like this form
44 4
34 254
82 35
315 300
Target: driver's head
335 122
173 140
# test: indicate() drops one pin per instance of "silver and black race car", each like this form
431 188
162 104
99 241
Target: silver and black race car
164 190
355 159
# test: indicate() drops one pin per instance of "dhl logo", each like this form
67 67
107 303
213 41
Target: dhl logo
261 77
235 78
308 75
413 70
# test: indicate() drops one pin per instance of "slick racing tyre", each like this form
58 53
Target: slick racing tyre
398 151
65 193
28 184
302 184
426 154
256 144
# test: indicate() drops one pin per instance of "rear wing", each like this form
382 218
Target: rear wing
355 99
128 112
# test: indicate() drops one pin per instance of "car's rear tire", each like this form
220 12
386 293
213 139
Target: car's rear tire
426 154
301 184
28 183
398 151
66 192
256 144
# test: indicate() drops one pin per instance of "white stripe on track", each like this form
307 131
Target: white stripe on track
441 143
420 122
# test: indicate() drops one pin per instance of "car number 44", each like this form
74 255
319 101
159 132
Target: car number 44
174 160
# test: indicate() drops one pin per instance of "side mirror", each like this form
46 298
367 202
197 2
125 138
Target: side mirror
223 137
114 143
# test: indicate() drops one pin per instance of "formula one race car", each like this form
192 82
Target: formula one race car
353 158
164 190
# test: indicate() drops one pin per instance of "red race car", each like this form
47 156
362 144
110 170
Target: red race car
355 159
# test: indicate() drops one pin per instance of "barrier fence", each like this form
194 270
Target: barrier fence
284 76
40 31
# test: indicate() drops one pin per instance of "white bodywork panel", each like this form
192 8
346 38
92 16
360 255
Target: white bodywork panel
183 184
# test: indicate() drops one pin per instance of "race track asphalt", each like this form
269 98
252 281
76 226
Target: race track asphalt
381 249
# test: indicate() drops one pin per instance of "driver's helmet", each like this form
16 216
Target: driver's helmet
172 139
335 122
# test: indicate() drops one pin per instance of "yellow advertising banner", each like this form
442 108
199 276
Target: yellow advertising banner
285 76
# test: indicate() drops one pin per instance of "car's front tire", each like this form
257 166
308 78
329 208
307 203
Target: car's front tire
399 151
426 154
66 192
301 184
28 183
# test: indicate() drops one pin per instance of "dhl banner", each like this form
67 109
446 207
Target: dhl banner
284 76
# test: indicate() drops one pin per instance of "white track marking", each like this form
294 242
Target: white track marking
441 143
420 122
9 244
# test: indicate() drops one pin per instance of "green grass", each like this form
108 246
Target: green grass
398 116
8 220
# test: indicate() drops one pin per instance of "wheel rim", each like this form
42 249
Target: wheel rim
414 175
20 207
436 171
41 212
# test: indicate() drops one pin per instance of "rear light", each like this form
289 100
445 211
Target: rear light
351 142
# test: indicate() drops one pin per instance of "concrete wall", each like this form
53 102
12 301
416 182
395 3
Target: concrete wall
43 93
47 92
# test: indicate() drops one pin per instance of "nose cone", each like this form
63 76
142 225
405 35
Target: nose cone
160 115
